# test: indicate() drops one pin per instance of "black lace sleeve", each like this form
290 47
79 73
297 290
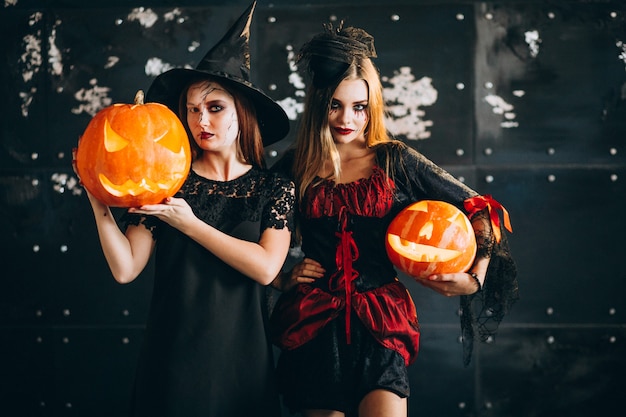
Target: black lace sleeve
418 178
132 219
484 310
279 213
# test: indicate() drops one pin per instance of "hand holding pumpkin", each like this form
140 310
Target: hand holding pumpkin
174 211
450 285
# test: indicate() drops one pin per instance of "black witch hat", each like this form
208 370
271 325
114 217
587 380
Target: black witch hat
229 62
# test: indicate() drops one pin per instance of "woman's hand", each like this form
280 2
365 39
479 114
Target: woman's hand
306 271
174 211
451 285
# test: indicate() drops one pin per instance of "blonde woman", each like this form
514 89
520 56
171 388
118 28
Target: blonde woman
346 325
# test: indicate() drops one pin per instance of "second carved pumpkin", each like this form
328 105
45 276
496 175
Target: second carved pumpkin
431 237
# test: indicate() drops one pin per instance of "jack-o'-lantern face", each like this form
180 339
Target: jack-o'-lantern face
130 155
431 237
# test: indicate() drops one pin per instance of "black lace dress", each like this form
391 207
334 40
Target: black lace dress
205 351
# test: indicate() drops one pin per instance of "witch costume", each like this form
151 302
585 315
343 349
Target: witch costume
205 351
356 329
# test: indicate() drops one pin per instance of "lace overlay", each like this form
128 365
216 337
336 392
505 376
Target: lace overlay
482 312
223 203
485 240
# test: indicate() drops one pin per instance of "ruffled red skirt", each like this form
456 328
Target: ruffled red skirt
388 312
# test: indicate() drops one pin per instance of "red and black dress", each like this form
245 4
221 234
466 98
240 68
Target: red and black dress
356 329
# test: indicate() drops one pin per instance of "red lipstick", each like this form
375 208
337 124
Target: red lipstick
343 131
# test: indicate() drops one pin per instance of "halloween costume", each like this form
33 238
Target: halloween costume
356 329
206 351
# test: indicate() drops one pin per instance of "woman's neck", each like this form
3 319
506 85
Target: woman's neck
220 168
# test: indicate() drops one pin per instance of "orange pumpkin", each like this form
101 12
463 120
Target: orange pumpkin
133 154
431 237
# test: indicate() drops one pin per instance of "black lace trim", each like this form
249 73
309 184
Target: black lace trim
223 202
485 240
482 312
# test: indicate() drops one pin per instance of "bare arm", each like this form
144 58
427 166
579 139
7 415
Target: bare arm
126 254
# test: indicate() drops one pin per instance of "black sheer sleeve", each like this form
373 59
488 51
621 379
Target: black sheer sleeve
418 178
485 310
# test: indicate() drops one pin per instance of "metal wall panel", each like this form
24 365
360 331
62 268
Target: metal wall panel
573 371
521 100
550 82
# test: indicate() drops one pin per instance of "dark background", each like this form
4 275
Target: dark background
524 100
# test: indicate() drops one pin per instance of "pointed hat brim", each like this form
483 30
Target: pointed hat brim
228 62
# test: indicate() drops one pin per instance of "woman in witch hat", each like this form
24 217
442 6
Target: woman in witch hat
348 328
218 243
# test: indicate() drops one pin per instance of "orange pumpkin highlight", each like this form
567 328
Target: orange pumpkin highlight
133 154
431 237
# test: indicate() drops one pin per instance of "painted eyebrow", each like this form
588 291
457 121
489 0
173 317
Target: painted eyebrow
354 102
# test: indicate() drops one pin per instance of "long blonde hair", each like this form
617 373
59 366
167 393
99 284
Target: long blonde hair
314 141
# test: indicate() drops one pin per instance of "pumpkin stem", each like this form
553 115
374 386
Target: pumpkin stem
139 97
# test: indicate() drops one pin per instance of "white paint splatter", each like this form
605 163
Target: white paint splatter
30 62
533 40
92 100
111 62
498 103
156 66
55 58
27 99
501 107
146 17
404 98
292 106
31 58
169 16
8 3
622 55
62 182
35 18
194 45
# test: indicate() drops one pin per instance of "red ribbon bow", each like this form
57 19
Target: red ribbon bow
475 204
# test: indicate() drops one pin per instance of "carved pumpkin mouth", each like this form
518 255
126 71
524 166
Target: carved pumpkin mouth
133 188
419 252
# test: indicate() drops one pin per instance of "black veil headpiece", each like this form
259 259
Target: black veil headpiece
329 54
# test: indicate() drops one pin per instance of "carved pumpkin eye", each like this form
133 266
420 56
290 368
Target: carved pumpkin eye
112 141
431 237
133 154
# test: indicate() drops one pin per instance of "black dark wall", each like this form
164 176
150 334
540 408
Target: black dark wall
523 100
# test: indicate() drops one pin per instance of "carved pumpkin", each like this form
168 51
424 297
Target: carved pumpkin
431 237
133 154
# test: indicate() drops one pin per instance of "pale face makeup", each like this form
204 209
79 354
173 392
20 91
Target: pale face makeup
348 114
212 117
